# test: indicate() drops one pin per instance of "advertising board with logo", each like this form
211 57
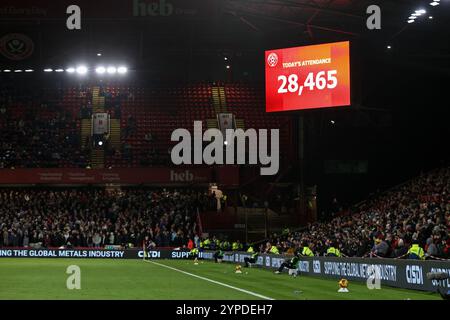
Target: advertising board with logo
408 274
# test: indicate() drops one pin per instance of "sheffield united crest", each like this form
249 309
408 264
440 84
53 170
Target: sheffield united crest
16 46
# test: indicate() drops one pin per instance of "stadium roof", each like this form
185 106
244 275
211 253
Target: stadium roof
201 26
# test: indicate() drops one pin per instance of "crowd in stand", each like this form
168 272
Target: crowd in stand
35 132
41 143
386 226
98 217
38 130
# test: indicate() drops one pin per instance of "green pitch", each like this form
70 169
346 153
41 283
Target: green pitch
135 279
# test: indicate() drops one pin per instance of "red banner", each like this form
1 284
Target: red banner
308 77
226 176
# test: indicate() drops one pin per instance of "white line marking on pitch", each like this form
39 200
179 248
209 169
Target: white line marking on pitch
213 281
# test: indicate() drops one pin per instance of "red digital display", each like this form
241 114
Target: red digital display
309 77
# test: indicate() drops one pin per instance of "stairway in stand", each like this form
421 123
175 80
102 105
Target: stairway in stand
86 128
240 124
98 158
216 99
219 103
220 106
114 135
219 100
222 99
211 123
98 105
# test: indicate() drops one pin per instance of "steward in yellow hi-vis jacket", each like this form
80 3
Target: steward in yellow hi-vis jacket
333 251
207 243
193 254
306 250
416 252
274 250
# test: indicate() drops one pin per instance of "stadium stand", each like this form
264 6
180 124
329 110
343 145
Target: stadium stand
417 210
386 225
96 217
142 120
40 128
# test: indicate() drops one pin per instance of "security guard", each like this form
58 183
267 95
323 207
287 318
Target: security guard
333 251
235 246
218 243
206 243
225 245
274 250
250 250
416 252
306 251
214 244
194 254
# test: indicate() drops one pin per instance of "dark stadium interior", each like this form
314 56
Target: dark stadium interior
395 130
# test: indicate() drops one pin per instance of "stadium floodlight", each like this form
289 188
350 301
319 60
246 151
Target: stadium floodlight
59 70
225 142
122 70
412 17
100 143
389 47
6 70
111 70
410 21
18 70
430 17
48 70
434 3
421 11
100 70
70 70
29 70
225 58
99 54
228 67
82 70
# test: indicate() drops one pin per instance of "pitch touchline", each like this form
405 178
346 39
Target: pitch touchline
213 281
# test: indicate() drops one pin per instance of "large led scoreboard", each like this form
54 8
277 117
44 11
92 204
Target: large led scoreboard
308 77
